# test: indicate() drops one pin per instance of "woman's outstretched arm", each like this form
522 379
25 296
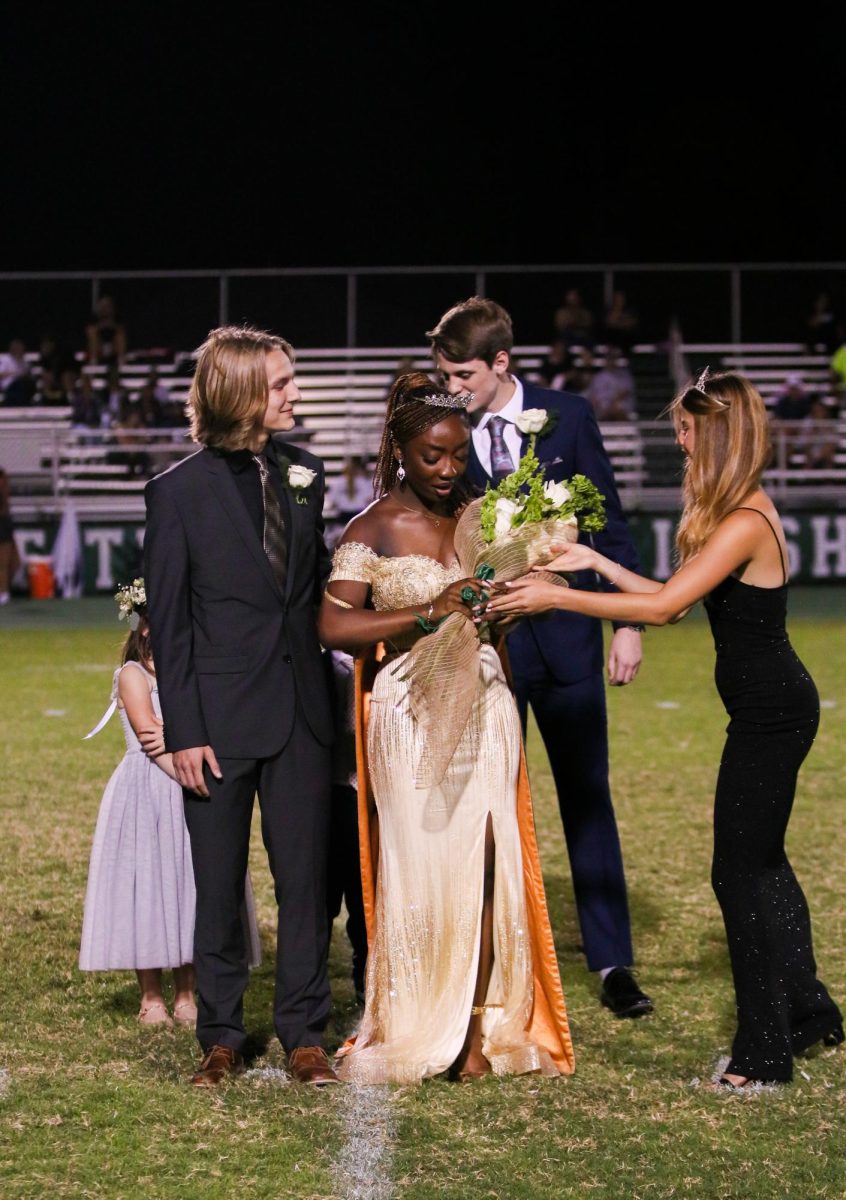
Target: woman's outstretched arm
733 544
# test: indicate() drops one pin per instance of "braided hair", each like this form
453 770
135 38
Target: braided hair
409 414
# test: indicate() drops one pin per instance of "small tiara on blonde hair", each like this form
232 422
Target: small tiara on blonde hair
445 400
699 386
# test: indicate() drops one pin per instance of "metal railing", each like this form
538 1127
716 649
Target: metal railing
729 301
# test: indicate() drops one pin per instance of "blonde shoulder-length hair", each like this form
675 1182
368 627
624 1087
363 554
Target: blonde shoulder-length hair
228 395
731 450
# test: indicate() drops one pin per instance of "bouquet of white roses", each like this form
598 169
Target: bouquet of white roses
500 537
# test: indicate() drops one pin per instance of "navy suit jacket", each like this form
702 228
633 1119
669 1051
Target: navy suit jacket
233 653
569 644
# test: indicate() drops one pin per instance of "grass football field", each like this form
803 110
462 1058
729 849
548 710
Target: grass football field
93 1105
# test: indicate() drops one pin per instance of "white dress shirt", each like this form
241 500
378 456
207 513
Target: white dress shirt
513 437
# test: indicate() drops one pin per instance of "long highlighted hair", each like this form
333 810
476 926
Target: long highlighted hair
731 450
228 395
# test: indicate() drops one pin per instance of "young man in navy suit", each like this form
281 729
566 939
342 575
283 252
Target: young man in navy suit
557 661
234 567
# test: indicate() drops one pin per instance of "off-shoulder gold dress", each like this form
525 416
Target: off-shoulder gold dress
427 907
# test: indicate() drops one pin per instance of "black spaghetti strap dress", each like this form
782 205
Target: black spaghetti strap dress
772 702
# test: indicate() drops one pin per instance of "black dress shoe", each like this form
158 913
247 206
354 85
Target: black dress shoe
621 994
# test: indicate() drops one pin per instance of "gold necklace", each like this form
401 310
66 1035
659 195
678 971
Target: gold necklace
422 512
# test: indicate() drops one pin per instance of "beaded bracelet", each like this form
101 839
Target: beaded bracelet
426 623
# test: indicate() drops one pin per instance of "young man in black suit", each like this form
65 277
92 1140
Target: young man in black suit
234 565
557 661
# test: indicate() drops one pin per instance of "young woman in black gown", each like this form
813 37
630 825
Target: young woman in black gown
732 553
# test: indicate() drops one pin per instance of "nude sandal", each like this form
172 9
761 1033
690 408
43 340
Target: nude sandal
155 1013
185 1014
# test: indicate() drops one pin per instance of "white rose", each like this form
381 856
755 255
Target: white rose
531 420
505 510
300 477
556 493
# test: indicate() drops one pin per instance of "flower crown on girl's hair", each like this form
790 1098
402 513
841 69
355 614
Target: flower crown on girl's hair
131 598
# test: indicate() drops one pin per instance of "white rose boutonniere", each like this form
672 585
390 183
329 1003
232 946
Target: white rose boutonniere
299 478
531 420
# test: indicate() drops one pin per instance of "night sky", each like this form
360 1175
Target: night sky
159 136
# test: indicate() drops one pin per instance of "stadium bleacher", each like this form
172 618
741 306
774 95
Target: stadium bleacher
341 413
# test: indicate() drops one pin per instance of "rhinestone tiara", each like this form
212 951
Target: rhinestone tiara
699 386
444 400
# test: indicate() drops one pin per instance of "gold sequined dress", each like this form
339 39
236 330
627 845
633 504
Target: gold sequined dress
427 906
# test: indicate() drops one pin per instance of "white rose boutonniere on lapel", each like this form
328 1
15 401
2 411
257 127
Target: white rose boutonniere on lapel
537 421
299 478
531 420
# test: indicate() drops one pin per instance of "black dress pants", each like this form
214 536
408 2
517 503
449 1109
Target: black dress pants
293 791
573 723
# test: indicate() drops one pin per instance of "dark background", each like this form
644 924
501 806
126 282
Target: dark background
165 136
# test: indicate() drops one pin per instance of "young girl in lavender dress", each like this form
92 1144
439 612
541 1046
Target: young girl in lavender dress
140 898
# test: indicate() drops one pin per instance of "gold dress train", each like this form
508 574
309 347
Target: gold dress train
424 918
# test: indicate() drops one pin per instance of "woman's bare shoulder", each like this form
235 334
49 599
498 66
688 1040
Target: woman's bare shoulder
369 527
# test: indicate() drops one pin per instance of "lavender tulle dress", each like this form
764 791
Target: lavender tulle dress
140 899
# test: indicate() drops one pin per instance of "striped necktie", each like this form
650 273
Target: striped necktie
502 463
274 539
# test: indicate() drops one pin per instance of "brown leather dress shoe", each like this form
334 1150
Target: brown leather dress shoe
310 1064
219 1063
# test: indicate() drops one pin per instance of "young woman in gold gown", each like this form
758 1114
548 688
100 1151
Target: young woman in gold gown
462 975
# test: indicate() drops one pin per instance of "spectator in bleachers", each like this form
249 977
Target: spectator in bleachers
105 336
85 403
821 326
149 405
349 493
837 366
612 389
620 323
50 391
53 356
115 399
552 371
573 321
131 452
566 369
17 384
818 441
793 401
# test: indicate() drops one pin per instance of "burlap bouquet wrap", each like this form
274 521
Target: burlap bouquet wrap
443 668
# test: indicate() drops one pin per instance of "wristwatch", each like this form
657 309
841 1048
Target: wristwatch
637 626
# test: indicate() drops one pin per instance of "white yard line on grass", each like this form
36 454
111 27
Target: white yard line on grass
363 1167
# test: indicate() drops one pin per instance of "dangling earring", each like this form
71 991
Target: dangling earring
400 473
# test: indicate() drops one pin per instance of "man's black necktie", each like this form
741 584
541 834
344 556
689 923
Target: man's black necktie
274 539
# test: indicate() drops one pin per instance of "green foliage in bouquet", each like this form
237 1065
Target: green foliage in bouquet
526 497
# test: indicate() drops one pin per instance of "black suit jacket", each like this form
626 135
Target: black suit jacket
569 644
233 654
